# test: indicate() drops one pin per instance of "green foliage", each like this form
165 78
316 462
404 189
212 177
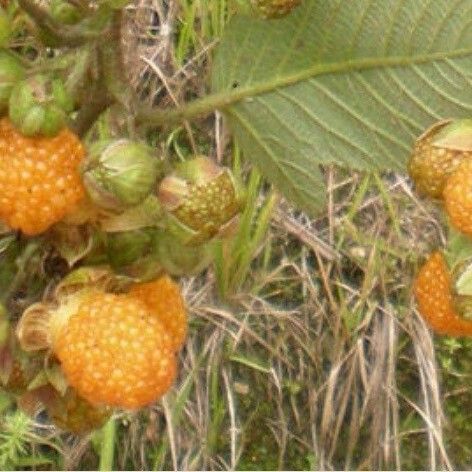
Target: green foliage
455 358
14 439
351 83
233 256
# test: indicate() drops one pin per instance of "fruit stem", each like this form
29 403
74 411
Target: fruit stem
99 99
107 449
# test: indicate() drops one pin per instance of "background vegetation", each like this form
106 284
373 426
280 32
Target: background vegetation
305 350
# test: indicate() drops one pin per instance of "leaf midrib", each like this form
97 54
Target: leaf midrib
222 100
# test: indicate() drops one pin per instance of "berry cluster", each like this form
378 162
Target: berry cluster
441 168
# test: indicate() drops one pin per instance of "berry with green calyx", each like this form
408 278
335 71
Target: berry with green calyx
437 154
271 9
201 199
11 72
39 106
120 174
113 348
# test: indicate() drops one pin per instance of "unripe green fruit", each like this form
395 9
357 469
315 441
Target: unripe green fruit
120 174
11 72
39 106
201 198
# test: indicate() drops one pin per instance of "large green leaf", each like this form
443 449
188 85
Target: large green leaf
345 81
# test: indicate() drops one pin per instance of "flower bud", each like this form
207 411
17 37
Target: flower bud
200 198
120 174
11 72
437 153
39 106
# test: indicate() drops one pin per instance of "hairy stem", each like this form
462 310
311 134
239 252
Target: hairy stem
111 59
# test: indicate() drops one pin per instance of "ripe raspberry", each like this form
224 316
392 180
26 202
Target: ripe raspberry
40 181
163 298
435 299
113 350
275 8
433 160
457 197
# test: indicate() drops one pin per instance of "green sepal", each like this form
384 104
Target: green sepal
179 259
31 122
39 106
11 72
455 135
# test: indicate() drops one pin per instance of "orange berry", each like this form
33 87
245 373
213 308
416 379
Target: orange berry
437 153
435 298
113 350
458 197
163 298
39 178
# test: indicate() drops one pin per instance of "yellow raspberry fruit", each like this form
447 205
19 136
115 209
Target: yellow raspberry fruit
163 298
435 298
39 178
457 197
113 350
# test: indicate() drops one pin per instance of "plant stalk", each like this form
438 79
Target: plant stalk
107 449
